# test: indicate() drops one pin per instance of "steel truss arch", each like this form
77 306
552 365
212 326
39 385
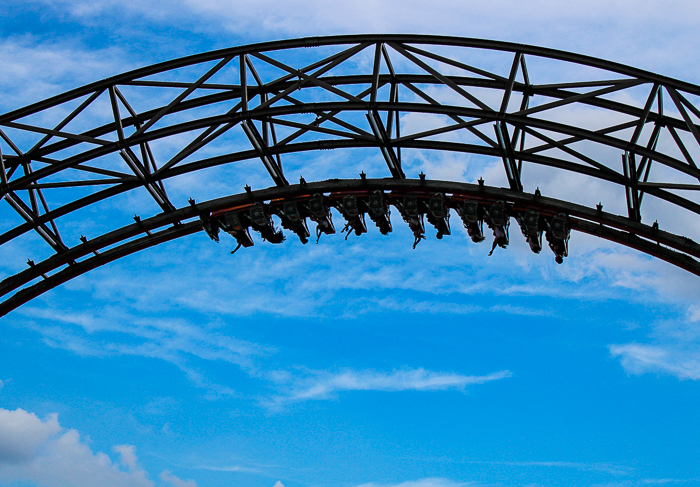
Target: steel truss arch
93 143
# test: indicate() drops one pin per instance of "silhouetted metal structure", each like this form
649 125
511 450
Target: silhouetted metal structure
140 130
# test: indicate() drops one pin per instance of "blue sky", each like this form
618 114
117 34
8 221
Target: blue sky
358 363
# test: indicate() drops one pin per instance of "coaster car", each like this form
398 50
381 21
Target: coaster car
262 222
321 214
354 217
530 228
408 207
498 222
293 220
379 211
439 215
557 235
473 220
234 225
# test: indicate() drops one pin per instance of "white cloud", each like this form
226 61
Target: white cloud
316 17
648 36
40 452
694 314
428 482
167 476
21 433
325 385
128 455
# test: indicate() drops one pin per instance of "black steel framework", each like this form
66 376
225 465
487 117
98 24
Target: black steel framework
355 91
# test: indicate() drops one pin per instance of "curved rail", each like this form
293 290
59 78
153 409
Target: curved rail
197 217
271 100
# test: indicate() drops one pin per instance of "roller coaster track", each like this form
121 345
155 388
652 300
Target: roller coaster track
383 97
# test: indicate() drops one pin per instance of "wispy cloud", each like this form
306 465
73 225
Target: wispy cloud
161 338
667 481
677 360
226 468
436 306
291 280
674 349
428 482
610 468
35 69
326 385
642 482
115 333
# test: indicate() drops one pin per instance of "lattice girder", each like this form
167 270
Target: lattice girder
105 139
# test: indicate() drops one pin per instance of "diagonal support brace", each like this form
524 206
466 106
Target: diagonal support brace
631 192
155 190
508 156
3 174
28 214
380 133
264 153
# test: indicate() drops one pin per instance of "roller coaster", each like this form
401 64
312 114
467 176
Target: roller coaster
378 98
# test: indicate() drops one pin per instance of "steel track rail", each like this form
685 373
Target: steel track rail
150 232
